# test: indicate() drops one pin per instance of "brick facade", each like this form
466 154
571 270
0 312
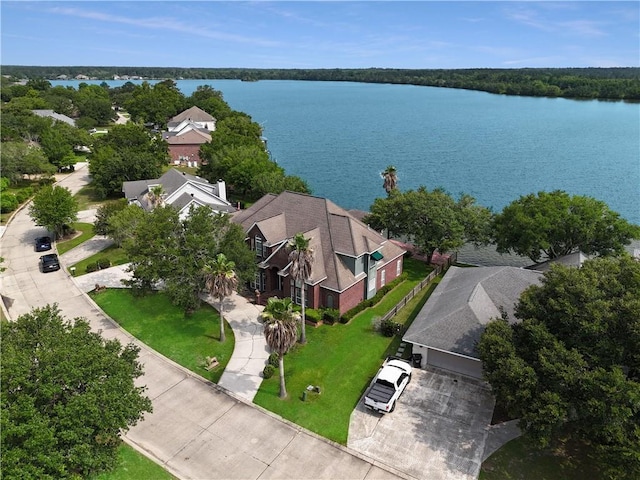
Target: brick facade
190 151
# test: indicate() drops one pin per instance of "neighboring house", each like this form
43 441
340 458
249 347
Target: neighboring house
186 132
56 116
351 261
179 190
448 328
572 260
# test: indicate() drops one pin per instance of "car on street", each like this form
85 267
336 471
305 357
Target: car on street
43 244
49 263
388 384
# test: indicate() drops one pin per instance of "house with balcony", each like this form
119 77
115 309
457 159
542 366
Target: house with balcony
186 132
351 260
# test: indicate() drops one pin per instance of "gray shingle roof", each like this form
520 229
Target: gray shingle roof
466 299
280 217
56 116
195 114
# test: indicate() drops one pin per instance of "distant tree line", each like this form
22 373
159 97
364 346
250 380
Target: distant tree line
622 83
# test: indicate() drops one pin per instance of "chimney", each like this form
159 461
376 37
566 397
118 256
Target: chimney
222 190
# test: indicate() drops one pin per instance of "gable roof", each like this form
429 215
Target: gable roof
455 315
172 181
333 231
56 116
193 136
194 114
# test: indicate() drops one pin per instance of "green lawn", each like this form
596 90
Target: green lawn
341 360
519 460
88 198
86 232
133 465
187 340
116 256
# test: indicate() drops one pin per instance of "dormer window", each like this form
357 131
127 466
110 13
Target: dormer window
259 247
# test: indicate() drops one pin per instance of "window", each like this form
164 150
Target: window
258 282
383 277
258 245
296 294
330 301
398 268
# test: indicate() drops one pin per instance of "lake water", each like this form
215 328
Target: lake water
339 136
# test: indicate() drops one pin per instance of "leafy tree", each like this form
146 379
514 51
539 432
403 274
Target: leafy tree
105 212
67 395
301 258
556 224
390 176
93 102
221 281
280 331
55 147
19 159
434 221
571 368
54 207
162 247
211 101
128 152
155 103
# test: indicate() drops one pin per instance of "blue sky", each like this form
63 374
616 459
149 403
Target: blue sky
328 34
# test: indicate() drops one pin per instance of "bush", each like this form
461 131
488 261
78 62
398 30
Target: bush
91 267
268 371
8 202
389 328
330 315
24 194
45 181
312 315
273 360
103 263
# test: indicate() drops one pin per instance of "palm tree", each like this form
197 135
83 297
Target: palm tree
390 177
280 331
221 280
155 196
301 258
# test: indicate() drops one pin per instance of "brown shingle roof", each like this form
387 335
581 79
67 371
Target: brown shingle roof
333 232
195 114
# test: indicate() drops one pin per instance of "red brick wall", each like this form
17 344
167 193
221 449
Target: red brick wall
177 151
390 268
351 297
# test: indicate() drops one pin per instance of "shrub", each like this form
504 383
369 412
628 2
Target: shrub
91 267
330 315
268 371
273 360
45 181
8 202
24 194
103 263
389 328
312 315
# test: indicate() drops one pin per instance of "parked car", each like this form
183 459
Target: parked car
43 244
49 263
387 386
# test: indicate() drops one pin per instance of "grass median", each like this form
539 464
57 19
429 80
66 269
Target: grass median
84 231
116 256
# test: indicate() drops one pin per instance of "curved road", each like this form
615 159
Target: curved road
197 429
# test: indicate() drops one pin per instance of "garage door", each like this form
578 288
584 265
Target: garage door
454 363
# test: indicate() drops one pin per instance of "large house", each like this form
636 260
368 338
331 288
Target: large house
447 329
58 117
351 261
180 190
186 132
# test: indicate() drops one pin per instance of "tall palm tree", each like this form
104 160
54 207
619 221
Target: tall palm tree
390 176
221 280
301 258
280 331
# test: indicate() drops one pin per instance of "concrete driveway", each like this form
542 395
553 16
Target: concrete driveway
437 431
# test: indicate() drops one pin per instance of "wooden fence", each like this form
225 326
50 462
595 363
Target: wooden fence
418 288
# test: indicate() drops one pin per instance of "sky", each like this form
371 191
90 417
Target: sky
321 34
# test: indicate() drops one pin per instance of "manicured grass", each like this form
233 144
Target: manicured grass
341 360
86 230
115 254
133 465
187 340
519 460
88 198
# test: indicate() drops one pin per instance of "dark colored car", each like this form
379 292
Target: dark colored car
43 244
49 263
